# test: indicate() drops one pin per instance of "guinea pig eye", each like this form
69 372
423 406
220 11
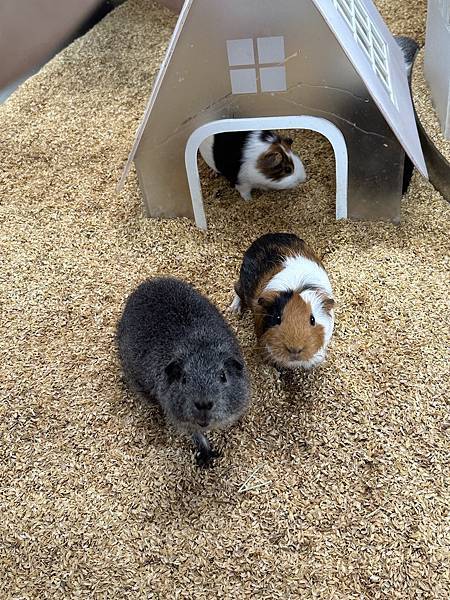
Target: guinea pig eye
183 380
277 319
288 170
312 320
223 377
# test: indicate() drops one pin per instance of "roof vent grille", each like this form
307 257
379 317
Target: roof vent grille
368 38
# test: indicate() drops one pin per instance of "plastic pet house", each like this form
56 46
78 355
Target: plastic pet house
327 65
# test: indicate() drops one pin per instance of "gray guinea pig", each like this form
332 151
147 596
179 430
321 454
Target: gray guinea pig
176 348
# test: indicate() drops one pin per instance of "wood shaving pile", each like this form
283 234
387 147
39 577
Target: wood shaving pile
335 485
426 112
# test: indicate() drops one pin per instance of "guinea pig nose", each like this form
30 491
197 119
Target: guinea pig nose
294 350
203 405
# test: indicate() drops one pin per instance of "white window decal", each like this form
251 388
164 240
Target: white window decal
240 52
268 67
370 41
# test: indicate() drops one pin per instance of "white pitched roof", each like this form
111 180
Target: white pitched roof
390 93
373 52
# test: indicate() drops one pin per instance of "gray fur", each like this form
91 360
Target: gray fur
176 347
409 48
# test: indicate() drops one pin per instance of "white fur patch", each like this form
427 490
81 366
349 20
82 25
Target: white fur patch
206 150
298 272
235 306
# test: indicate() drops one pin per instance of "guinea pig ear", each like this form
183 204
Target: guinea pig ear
174 371
233 365
266 300
272 159
328 304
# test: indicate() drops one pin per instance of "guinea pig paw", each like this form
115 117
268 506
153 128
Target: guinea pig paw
235 307
205 460
245 192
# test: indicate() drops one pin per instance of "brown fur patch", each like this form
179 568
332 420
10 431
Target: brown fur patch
259 310
295 338
275 163
327 302
301 248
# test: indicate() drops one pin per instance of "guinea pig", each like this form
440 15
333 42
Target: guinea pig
287 288
409 48
176 348
253 160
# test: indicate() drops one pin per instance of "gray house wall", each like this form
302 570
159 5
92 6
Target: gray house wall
437 59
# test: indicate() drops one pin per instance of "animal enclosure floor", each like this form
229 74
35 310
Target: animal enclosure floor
335 484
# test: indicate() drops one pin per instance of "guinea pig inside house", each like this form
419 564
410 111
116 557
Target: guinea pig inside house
254 160
288 290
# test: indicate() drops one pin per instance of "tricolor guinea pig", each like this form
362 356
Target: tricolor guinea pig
254 160
287 288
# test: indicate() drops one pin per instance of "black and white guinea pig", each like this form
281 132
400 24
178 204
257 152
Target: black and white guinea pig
287 288
254 160
176 348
